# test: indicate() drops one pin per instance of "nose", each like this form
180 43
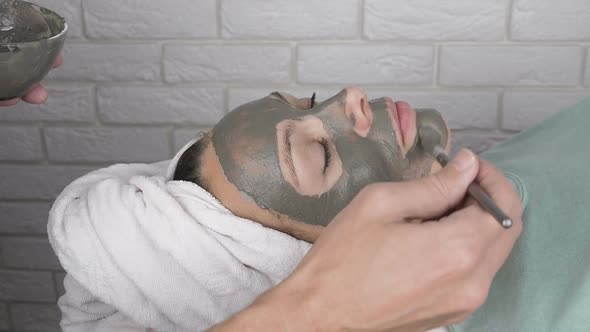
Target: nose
357 110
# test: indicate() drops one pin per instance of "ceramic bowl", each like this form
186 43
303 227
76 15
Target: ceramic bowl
31 38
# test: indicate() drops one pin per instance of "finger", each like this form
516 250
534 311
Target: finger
9 102
500 250
424 198
37 95
472 223
434 195
58 61
496 251
500 189
480 232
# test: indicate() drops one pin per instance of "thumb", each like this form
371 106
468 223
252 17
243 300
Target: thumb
431 196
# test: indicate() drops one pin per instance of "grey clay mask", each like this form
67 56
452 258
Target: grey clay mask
246 144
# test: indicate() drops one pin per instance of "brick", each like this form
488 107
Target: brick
150 105
36 182
59 283
109 62
289 19
26 286
65 103
70 10
477 142
20 143
227 63
240 96
523 109
24 218
36 317
150 19
365 64
510 65
462 109
107 144
4 318
183 136
550 20
28 252
435 20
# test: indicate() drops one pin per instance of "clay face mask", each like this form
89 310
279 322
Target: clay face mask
247 144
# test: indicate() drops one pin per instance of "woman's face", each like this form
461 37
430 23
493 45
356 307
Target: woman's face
304 163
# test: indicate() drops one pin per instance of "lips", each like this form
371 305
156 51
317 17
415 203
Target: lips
403 120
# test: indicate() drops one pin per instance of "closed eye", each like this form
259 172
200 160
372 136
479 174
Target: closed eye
327 154
301 143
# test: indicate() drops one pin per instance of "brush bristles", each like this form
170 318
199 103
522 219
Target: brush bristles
429 139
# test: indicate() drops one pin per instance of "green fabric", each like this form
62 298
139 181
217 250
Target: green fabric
545 284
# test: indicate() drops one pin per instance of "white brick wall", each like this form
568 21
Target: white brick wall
4 320
119 144
59 282
365 64
435 20
287 19
141 78
28 252
109 62
526 108
550 20
70 103
510 65
36 317
32 286
42 182
20 143
227 63
24 217
160 105
150 19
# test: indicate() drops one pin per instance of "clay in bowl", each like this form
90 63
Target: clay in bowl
31 38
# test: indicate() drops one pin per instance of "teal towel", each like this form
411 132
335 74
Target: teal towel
545 284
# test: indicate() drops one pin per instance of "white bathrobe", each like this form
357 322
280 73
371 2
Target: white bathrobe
143 252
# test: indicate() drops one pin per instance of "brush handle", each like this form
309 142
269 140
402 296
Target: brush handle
486 201
477 192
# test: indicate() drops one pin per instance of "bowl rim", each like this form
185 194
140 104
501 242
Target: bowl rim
56 36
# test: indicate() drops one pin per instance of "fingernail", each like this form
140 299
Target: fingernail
464 160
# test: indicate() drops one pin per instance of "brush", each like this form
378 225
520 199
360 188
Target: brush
430 140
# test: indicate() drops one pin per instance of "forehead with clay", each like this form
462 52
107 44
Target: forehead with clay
309 164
